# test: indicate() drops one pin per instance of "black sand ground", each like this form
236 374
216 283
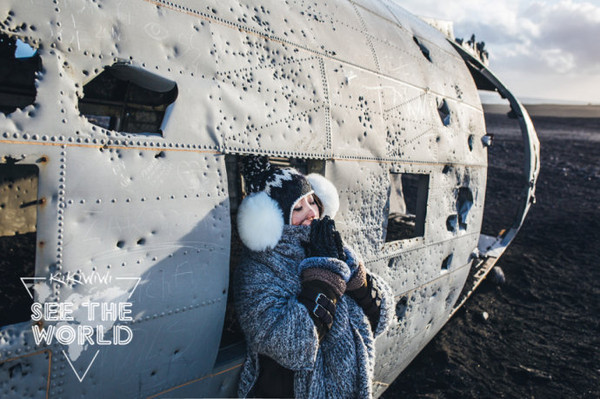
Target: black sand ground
542 338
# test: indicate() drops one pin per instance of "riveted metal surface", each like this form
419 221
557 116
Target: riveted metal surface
356 123
223 381
362 192
24 376
154 360
444 202
306 26
420 314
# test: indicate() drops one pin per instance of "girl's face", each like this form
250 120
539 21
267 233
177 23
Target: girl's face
305 211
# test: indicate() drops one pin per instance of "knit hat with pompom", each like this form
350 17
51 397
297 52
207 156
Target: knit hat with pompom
272 194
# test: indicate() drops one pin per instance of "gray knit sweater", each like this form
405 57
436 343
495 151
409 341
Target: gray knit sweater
277 325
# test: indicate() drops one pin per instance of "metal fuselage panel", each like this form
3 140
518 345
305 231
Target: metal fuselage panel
363 85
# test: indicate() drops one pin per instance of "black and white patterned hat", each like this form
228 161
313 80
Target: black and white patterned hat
272 194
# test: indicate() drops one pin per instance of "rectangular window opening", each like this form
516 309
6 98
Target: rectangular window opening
407 205
18 219
128 99
19 65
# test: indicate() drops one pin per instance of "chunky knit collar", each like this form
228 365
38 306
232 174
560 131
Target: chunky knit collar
291 244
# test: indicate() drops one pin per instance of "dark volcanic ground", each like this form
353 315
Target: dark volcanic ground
542 338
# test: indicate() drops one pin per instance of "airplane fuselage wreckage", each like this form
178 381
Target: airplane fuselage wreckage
120 140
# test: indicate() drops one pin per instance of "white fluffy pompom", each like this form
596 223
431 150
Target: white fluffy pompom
260 222
327 193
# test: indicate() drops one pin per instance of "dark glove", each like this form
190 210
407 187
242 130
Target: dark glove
358 278
367 295
321 289
325 240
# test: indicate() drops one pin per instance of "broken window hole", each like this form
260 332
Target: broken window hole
18 220
19 65
444 112
407 206
464 203
24 50
446 263
451 298
391 263
128 99
470 142
452 223
424 50
401 308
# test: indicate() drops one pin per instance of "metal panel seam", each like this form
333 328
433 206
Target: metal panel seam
196 380
232 25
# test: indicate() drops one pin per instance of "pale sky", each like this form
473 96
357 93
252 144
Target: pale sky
539 49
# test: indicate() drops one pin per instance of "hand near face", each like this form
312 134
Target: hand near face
325 240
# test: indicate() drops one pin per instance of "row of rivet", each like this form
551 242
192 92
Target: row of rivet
395 249
142 199
328 145
124 143
245 28
61 207
261 66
